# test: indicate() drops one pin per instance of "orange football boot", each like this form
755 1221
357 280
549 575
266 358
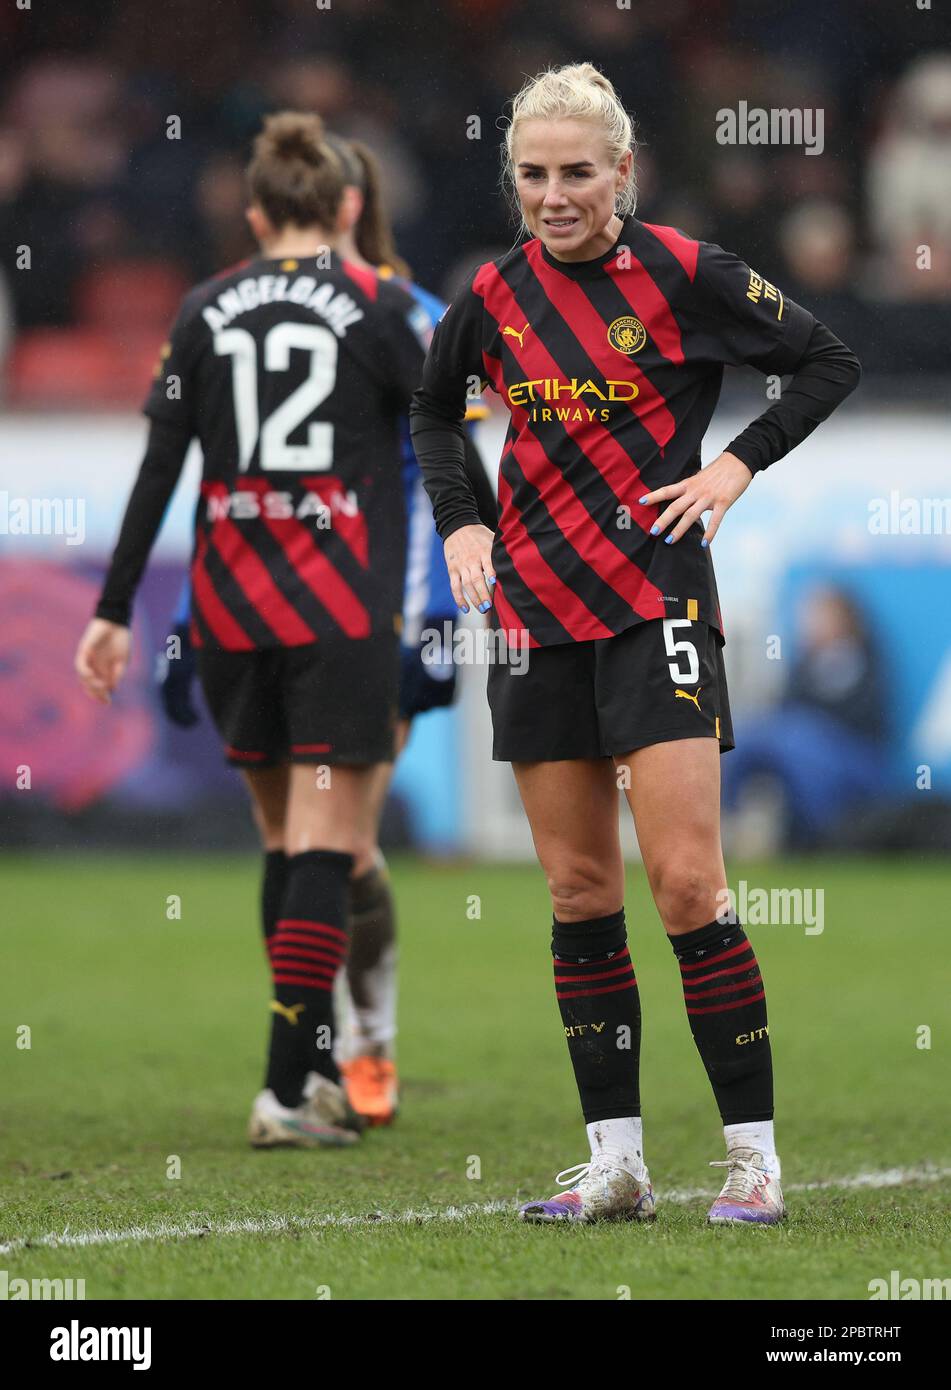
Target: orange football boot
372 1088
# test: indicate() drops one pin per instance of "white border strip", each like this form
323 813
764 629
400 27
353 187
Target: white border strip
281 1225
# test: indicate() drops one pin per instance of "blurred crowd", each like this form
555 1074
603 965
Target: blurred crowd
125 127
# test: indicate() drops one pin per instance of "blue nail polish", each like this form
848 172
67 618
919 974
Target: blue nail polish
491 579
464 609
643 499
655 529
704 543
669 540
484 607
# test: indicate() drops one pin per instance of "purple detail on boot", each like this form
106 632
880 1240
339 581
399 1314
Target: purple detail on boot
561 1207
729 1211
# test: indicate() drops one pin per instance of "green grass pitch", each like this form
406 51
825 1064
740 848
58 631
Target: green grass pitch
147 1037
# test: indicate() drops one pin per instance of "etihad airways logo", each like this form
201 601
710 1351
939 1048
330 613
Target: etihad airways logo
569 399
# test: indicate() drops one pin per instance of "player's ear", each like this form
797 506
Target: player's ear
259 222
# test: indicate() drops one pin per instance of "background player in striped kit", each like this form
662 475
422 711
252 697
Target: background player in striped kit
293 370
607 339
367 988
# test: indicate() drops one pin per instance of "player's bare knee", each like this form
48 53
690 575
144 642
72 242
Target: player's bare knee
685 896
582 890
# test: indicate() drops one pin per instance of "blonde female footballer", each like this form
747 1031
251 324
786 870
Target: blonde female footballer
606 338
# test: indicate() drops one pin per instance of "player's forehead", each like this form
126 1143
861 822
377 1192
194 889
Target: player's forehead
559 144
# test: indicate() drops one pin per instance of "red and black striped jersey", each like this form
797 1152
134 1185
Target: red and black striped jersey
293 375
611 370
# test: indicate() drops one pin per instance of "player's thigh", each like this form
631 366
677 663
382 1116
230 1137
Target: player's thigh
673 789
572 809
269 787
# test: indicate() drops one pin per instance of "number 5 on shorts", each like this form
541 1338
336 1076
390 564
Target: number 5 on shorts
676 649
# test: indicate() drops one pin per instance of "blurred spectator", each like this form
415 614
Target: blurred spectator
823 747
818 245
909 183
740 208
818 268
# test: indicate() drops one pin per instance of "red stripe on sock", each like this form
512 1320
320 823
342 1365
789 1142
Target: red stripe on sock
308 938
724 989
600 975
302 953
722 1008
287 959
302 924
337 961
718 974
317 976
306 967
715 960
605 989
303 980
587 964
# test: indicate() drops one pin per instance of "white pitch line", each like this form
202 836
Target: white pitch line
282 1225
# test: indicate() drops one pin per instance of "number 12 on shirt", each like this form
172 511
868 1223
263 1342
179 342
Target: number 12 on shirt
274 451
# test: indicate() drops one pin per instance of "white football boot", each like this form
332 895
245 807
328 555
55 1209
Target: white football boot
599 1191
750 1193
322 1120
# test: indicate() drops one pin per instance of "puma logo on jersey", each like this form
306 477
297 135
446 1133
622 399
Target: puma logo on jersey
290 1013
508 332
685 695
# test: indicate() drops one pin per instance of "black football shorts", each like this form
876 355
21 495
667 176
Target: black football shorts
332 701
658 681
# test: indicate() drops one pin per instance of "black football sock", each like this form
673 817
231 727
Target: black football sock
372 934
601 1011
726 1006
273 885
307 949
